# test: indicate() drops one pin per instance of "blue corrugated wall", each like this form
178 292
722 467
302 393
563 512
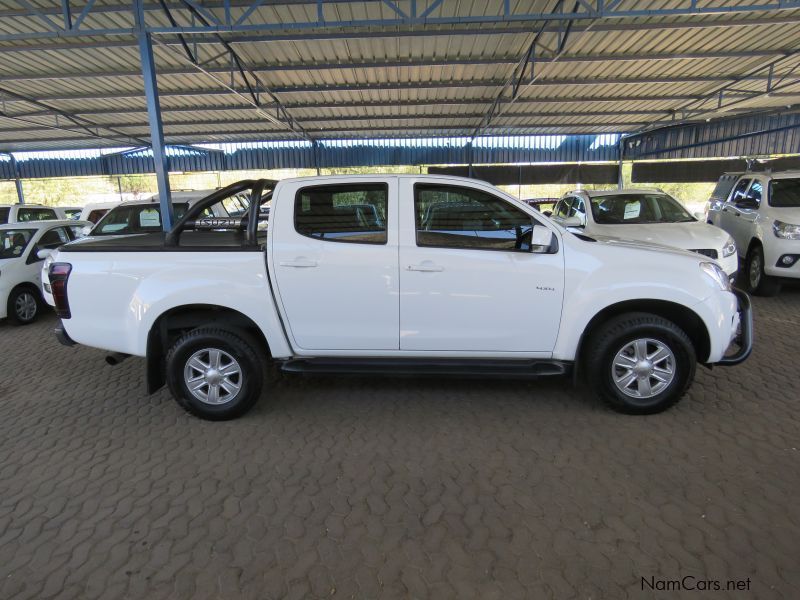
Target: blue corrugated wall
756 135
329 154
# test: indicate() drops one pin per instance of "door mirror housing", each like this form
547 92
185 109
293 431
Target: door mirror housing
574 221
42 253
548 213
699 215
542 240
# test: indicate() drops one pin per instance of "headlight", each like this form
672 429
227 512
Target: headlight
717 274
787 231
729 248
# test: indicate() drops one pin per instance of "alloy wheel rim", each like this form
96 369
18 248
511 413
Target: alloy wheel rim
643 368
213 376
25 306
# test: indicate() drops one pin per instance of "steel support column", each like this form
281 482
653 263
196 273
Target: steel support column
17 181
154 116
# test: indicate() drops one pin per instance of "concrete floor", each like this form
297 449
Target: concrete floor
396 488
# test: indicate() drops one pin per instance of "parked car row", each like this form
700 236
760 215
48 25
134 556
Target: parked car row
23 247
403 274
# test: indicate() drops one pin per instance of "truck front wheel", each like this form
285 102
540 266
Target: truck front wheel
640 363
214 374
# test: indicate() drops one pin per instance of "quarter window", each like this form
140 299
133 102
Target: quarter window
455 217
343 213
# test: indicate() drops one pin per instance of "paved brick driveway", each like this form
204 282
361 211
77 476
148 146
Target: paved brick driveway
389 488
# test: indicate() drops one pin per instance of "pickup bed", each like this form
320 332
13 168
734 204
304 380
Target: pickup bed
394 274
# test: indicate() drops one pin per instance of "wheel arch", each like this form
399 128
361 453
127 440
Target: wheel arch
177 320
684 317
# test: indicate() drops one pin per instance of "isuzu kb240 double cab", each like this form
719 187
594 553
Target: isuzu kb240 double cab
395 274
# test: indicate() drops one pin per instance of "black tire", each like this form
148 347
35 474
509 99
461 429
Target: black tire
19 305
757 282
614 336
246 355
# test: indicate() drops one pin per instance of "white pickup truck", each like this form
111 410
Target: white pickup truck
395 274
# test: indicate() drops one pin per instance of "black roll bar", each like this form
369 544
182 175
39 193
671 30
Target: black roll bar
249 223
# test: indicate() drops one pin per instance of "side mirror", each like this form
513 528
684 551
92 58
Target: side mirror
572 222
86 230
548 213
699 215
541 239
43 253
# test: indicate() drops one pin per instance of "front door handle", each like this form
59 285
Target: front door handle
425 268
299 263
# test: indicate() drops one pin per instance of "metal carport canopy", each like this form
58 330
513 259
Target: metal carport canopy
230 71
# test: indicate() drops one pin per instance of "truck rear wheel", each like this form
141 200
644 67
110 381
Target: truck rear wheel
214 374
640 363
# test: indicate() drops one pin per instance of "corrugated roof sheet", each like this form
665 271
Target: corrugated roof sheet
616 75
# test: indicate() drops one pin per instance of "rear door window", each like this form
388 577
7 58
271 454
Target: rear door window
4 215
740 191
53 238
755 192
35 214
353 213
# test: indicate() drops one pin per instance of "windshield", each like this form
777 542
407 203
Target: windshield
638 208
784 192
140 218
14 241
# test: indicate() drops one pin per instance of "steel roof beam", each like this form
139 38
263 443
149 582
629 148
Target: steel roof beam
227 108
431 62
87 127
291 105
465 131
498 13
395 33
223 122
730 96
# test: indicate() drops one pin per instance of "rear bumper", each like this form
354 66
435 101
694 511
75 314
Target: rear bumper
63 337
745 336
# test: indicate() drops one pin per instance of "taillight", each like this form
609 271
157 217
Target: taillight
58 275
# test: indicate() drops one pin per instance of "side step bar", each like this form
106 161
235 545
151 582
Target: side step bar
528 368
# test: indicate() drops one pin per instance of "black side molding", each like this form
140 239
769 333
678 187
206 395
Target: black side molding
516 369
746 337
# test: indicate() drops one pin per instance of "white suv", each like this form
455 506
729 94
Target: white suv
24 213
761 211
645 215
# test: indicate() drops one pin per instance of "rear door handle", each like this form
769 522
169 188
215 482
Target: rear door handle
425 268
299 263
